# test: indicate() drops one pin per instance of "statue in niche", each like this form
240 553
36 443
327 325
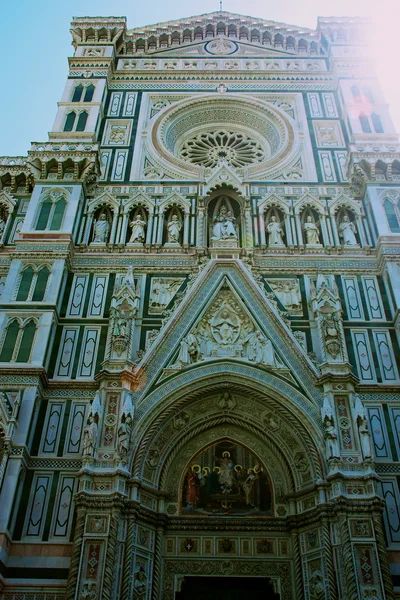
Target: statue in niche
124 436
288 292
347 231
174 227
138 234
330 328
275 233
365 438
101 229
90 437
331 439
312 232
224 225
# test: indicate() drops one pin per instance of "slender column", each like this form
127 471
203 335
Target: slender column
76 555
128 561
114 228
118 236
161 217
186 228
364 223
150 227
361 233
156 591
82 229
288 230
124 229
329 231
298 229
110 559
325 236
329 561
200 242
6 228
155 230
293 230
335 231
89 223
262 228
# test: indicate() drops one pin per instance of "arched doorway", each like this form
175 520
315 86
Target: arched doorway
226 588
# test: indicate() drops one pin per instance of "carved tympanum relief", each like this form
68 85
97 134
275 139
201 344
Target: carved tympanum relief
226 330
288 293
162 291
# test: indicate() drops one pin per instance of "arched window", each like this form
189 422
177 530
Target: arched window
44 215
10 342
33 284
25 347
77 95
368 94
365 126
89 93
58 215
377 123
392 216
355 90
82 121
41 285
25 284
69 121
51 213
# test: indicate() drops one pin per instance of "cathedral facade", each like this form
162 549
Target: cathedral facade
199 325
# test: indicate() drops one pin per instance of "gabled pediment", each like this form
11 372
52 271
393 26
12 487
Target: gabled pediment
226 316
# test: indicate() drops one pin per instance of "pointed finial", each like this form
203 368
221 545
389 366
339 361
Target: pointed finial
220 5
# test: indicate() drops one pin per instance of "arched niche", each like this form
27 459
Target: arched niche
311 226
102 221
173 227
138 221
226 227
225 478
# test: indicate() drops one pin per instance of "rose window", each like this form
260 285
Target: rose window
210 148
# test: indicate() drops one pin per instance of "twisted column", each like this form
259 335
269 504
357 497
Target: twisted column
76 555
156 591
298 574
351 592
329 560
383 559
128 560
110 558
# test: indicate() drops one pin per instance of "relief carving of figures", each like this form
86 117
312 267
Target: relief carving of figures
275 232
287 292
140 584
101 229
312 232
162 290
317 588
347 232
226 331
138 234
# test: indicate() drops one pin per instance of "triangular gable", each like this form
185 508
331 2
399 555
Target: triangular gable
234 275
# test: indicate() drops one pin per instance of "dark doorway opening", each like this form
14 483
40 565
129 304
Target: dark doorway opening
226 588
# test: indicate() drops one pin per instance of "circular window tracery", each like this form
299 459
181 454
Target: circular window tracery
235 148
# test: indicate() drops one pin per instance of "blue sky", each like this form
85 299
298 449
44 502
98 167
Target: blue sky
35 43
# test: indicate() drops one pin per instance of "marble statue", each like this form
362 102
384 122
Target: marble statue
124 436
331 439
312 232
101 230
174 228
90 437
365 438
224 225
347 231
138 234
331 334
275 231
